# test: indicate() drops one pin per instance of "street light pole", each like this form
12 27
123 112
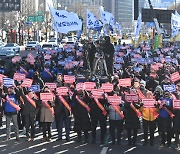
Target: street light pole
175 5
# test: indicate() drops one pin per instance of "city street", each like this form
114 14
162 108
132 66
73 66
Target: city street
58 147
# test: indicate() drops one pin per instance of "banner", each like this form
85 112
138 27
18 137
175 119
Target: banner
63 91
131 98
7 82
89 85
148 103
106 17
115 100
19 76
138 26
35 88
97 93
80 86
125 82
92 22
27 83
64 21
156 42
51 86
46 97
16 59
176 104
171 88
107 87
47 57
175 25
175 77
1 77
69 79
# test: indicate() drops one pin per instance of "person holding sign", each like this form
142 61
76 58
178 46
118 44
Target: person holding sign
98 115
11 109
47 74
62 112
116 120
80 110
176 121
47 112
149 115
30 109
165 119
132 123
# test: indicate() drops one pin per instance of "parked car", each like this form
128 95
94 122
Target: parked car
33 45
7 54
53 41
49 46
12 47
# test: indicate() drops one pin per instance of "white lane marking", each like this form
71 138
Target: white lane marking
42 150
129 150
104 150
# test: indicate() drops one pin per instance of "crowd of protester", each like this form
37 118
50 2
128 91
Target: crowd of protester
150 72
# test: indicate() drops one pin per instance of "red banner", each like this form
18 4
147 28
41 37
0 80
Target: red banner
89 85
51 86
80 86
148 103
175 77
63 91
27 83
125 82
155 67
97 93
30 56
19 76
47 57
69 79
115 100
46 97
1 77
176 104
107 87
131 98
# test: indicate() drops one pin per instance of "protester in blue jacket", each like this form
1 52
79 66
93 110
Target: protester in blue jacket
165 120
11 109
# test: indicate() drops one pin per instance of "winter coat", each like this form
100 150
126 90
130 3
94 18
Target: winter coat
176 121
45 113
81 115
96 112
131 118
113 115
60 109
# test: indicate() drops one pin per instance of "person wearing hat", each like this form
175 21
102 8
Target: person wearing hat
142 87
11 108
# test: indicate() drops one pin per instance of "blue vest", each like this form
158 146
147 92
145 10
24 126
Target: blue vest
8 107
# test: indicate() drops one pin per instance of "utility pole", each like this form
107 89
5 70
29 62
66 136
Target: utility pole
154 18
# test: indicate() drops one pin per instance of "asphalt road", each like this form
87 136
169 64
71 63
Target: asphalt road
24 147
